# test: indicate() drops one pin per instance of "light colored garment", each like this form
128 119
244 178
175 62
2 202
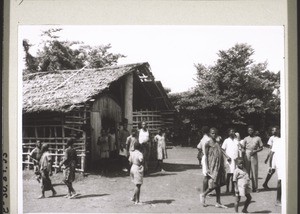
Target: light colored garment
205 139
271 140
231 147
161 147
137 170
242 179
278 157
143 136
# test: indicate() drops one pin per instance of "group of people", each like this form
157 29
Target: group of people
235 162
43 167
137 150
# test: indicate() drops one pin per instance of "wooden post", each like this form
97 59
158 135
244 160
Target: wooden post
128 100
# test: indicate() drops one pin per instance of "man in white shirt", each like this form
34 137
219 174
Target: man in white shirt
231 148
272 139
277 163
144 140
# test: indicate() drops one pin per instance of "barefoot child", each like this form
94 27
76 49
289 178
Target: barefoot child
137 171
69 161
241 182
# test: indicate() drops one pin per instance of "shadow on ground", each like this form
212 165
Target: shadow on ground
168 201
172 167
90 196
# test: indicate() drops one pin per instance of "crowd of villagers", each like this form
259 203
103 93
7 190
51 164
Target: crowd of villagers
133 149
234 162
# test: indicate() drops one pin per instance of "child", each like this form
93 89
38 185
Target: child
69 161
160 141
36 155
130 141
137 171
241 182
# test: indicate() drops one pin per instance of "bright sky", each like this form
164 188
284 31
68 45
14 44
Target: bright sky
171 51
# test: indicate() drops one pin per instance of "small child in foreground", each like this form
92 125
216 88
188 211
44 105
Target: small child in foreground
241 182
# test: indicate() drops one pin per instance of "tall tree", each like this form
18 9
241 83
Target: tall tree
57 54
234 91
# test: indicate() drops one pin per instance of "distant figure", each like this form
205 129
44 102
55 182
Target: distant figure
123 134
272 139
36 155
137 171
253 144
112 143
241 182
46 171
277 162
241 145
130 141
215 172
231 148
160 141
144 140
104 150
69 162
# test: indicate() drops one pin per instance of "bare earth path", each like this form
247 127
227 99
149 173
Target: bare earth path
173 191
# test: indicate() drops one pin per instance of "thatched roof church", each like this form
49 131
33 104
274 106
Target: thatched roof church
60 104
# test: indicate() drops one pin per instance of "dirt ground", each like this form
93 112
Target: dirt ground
173 191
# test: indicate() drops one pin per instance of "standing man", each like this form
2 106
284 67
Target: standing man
272 139
253 144
144 140
231 148
277 162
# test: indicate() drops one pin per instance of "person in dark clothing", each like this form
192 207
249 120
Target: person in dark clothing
69 162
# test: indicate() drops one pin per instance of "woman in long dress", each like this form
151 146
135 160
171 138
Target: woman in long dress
46 171
215 173
160 141
137 171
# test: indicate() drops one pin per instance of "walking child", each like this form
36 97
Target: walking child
69 161
241 182
36 155
137 171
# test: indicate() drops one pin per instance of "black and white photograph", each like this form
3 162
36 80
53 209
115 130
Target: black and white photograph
152 118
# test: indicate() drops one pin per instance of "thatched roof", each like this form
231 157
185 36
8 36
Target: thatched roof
62 91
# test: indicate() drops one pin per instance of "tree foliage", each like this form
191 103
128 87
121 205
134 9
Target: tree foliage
57 54
234 91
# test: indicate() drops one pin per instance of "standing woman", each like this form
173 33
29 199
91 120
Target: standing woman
137 171
46 171
253 144
160 141
215 173
69 161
